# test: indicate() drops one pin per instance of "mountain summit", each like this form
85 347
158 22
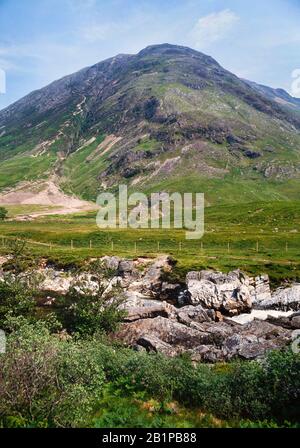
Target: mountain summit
169 117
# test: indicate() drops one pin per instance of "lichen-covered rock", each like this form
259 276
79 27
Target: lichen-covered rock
228 293
290 322
282 299
260 290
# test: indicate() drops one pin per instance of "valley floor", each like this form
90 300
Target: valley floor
255 237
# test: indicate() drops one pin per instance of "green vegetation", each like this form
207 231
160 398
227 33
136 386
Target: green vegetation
47 380
25 210
87 311
64 370
81 173
25 168
3 213
256 237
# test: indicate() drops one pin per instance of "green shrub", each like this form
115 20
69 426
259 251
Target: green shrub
89 310
3 213
48 380
15 300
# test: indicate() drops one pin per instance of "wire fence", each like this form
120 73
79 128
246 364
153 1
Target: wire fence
162 246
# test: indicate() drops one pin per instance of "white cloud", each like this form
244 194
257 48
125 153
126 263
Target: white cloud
213 27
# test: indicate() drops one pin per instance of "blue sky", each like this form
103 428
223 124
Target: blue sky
43 40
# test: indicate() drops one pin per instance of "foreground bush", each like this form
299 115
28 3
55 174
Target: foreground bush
47 380
57 380
87 310
15 300
255 390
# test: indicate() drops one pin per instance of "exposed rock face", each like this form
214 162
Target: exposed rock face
226 293
260 289
200 328
282 299
138 307
172 319
290 322
232 293
57 282
209 341
141 276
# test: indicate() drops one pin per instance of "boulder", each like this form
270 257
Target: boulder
260 289
289 322
206 341
188 314
151 284
138 307
171 332
255 339
228 293
57 282
207 353
282 299
152 343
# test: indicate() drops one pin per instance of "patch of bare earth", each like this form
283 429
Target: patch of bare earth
45 193
104 147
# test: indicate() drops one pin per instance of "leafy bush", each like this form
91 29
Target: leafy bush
3 213
251 390
48 380
88 310
21 259
15 300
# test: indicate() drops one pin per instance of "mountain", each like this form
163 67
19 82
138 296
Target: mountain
278 95
168 118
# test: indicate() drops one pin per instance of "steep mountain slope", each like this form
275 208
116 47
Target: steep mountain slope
169 118
278 95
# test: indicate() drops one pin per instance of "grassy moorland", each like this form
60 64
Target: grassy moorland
256 237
